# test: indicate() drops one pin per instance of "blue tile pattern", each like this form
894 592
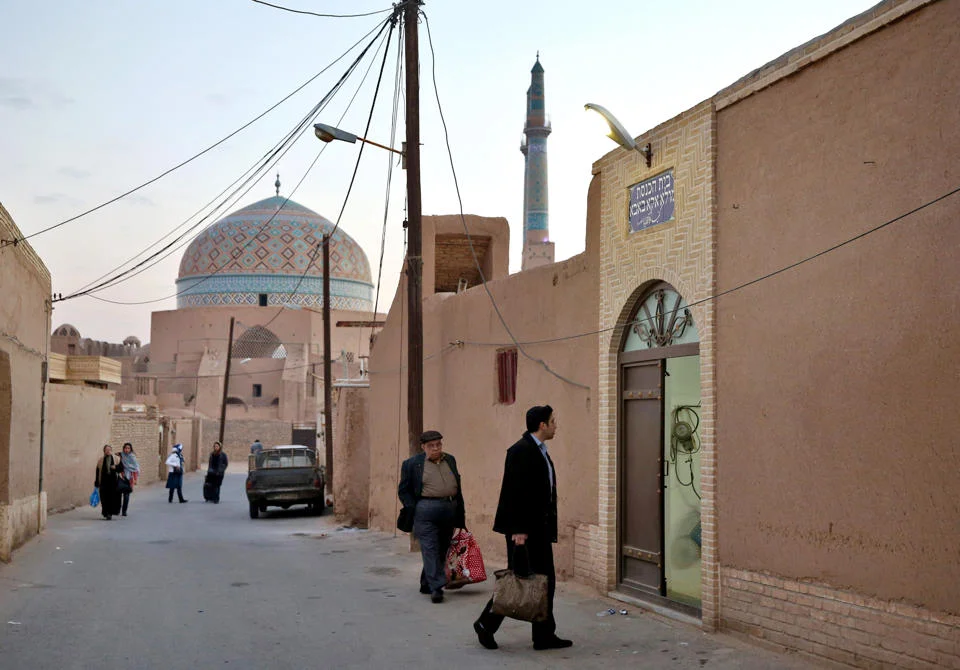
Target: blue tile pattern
262 248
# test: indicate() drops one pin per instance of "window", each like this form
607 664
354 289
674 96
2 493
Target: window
257 390
506 376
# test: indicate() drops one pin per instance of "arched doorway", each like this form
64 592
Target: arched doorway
658 497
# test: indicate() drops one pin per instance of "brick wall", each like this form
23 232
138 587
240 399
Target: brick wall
240 434
143 433
682 253
838 625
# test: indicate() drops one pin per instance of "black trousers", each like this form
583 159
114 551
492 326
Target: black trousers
433 525
540 552
126 501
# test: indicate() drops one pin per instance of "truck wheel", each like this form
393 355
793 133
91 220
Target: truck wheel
254 511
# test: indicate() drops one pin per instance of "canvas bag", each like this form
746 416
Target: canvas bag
464 564
520 594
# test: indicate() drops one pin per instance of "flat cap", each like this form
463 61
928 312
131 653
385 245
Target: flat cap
430 436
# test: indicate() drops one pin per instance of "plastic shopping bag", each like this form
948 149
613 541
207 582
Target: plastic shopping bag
464 563
95 497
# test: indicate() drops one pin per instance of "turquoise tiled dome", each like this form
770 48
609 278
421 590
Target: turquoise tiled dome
266 248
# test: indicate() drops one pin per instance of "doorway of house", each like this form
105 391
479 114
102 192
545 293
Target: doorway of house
659 453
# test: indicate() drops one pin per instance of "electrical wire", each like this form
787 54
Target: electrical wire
252 170
466 228
286 144
393 135
290 139
738 287
326 16
163 174
329 236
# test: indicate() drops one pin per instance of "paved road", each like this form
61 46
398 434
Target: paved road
203 586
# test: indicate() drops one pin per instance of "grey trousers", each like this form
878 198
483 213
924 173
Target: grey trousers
433 525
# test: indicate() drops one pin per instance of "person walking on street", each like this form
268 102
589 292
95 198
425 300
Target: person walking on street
216 468
175 473
108 470
430 486
256 447
527 516
128 478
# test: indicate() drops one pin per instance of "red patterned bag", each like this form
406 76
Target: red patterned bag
464 562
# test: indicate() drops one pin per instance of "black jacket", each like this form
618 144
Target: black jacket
411 484
528 504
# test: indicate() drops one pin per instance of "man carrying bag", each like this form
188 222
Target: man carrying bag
527 516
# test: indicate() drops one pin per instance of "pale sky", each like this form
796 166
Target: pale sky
98 96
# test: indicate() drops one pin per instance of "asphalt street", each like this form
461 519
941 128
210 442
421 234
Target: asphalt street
204 586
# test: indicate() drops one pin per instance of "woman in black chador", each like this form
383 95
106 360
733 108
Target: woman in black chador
215 471
107 472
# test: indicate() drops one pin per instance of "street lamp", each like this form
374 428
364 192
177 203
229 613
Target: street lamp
619 134
328 134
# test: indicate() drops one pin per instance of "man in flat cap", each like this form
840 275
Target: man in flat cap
430 490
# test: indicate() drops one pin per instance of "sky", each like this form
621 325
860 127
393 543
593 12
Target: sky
99 96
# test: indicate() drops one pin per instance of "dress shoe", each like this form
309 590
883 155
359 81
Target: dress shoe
552 643
436 597
425 590
183 501
484 636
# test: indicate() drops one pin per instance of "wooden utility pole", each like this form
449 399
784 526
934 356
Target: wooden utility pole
414 231
226 383
327 381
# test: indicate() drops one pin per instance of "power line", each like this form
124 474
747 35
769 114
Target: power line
744 285
346 199
466 228
4 243
252 170
295 133
326 16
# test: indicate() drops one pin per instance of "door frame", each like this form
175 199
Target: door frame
625 359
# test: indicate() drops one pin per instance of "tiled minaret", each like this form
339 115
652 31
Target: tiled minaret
537 247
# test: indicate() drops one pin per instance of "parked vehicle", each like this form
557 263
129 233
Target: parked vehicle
283 476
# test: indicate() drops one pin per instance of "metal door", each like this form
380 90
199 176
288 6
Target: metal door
305 436
641 478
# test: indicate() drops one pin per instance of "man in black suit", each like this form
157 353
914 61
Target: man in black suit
527 516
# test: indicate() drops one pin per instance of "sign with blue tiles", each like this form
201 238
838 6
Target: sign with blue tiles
651 202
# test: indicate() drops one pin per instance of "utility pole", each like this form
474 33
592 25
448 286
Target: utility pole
327 381
414 231
226 383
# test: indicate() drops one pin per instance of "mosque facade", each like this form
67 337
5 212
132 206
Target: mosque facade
262 267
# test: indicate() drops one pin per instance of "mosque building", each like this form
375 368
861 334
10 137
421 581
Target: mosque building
262 266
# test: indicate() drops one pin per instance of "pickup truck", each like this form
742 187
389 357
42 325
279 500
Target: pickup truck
283 476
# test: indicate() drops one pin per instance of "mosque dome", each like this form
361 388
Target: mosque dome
66 330
259 254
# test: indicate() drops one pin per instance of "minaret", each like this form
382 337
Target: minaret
537 247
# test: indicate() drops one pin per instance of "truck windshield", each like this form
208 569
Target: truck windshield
286 458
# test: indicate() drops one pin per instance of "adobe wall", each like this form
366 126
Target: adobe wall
78 425
460 398
24 338
351 456
838 503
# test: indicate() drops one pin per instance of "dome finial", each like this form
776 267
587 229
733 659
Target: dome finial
277 184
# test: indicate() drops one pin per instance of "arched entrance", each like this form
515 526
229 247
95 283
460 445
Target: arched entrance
658 520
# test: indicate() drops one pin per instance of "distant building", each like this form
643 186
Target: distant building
537 248
261 265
